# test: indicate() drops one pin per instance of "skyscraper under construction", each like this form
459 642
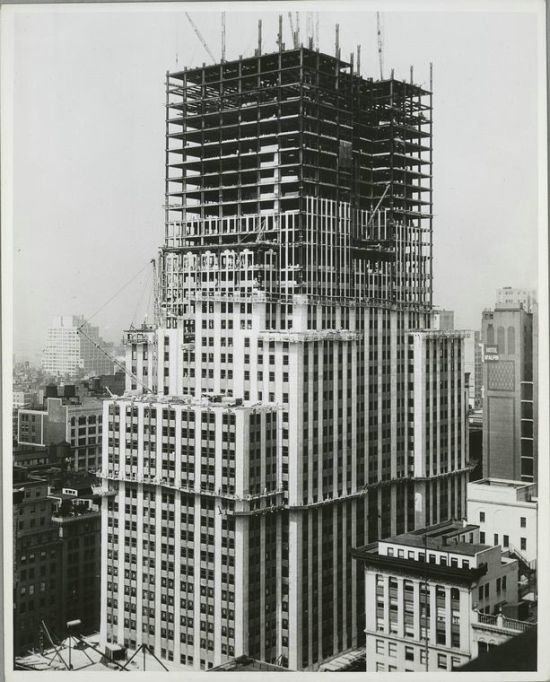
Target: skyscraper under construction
292 401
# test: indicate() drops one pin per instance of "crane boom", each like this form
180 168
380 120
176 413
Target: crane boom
199 36
380 43
120 365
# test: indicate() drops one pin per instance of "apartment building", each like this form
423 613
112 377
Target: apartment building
74 347
425 592
75 421
36 563
76 514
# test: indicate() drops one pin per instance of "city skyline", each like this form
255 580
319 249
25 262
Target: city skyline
291 228
111 118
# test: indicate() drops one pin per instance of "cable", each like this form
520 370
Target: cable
141 299
114 295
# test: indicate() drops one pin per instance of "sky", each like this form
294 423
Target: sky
88 139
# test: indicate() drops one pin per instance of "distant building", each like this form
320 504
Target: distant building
473 365
510 393
443 320
524 298
426 591
76 422
506 512
21 399
71 352
35 458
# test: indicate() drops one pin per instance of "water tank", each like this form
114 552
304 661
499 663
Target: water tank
51 391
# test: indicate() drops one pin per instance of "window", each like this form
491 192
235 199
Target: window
505 540
480 592
456 663
442 661
498 585
380 668
379 646
523 543
392 668
422 655
409 653
504 583
482 538
523 522
481 517
495 539
486 590
392 649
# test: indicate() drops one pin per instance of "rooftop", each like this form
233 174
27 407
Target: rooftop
245 663
438 543
500 482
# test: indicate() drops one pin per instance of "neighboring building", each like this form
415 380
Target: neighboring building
443 320
426 591
56 556
35 458
517 298
506 512
473 365
36 563
475 444
21 399
510 393
76 422
294 401
516 654
75 347
78 517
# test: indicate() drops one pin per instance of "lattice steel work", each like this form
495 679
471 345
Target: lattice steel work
308 166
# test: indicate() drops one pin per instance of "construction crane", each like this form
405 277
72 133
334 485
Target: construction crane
199 36
380 43
120 365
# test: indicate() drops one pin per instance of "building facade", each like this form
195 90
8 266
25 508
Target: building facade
443 320
77 516
426 591
510 393
279 413
473 365
36 563
74 347
519 298
77 422
506 512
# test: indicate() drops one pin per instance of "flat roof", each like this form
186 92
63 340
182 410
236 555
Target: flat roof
423 541
500 482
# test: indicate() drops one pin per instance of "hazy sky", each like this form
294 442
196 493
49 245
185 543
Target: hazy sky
89 147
